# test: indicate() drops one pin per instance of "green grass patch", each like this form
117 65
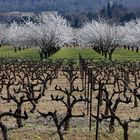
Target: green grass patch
74 53
8 52
70 53
124 54
119 54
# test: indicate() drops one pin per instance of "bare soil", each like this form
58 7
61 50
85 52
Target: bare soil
40 129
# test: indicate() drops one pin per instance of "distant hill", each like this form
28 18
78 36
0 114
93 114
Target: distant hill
62 5
43 5
77 12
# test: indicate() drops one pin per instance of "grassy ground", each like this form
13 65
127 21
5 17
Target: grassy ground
74 53
9 52
119 54
124 54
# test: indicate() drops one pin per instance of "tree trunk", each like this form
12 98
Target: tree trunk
102 53
19 48
105 54
100 96
18 120
125 128
66 125
60 134
4 131
41 55
137 50
44 88
110 56
45 55
8 93
99 51
106 109
106 105
111 125
132 49
135 102
15 49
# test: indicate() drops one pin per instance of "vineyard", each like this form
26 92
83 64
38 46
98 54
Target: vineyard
59 82
51 100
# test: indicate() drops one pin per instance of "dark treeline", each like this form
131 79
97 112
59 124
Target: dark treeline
43 5
75 11
62 5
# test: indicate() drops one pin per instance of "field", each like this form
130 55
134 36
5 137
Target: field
119 54
26 78
43 129
8 52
